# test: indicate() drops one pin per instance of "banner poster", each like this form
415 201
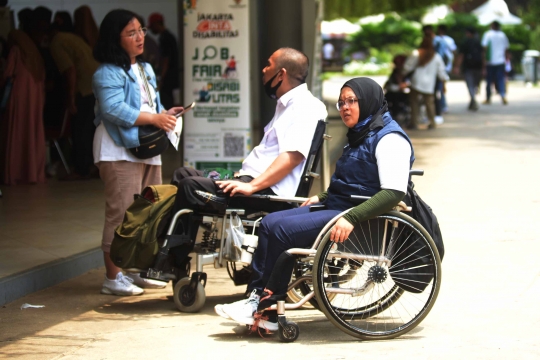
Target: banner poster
216 46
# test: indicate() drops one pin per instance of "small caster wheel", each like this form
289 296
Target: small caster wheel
289 332
188 299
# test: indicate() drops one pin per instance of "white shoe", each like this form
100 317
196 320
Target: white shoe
219 310
145 283
439 120
122 286
242 311
268 325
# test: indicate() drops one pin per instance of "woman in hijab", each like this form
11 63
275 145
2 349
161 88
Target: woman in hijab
22 132
425 65
375 162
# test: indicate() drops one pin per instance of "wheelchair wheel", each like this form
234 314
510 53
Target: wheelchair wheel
188 299
302 268
289 332
392 284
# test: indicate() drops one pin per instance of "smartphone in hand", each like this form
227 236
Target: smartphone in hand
186 109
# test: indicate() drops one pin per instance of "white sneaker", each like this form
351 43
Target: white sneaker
145 283
268 325
439 120
122 286
242 311
219 310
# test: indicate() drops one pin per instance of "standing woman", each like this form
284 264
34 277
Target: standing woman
123 103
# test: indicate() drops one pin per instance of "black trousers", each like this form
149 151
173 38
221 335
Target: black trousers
82 134
188 180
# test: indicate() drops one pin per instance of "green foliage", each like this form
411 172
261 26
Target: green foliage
355 9
390 35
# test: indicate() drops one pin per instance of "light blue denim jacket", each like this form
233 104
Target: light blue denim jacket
118 102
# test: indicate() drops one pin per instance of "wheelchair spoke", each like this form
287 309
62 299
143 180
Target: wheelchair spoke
371 298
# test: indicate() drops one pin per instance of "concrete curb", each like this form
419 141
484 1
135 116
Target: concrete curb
44 276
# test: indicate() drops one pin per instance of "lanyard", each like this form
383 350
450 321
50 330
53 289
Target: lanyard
146 87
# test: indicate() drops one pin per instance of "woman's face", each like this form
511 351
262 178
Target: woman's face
132 39
349 113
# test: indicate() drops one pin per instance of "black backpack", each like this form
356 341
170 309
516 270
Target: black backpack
417 278
472 54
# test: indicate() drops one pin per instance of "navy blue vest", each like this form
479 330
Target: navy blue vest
356 170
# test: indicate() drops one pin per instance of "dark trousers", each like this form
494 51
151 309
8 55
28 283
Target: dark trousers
82 134
188 180
281 231
495 74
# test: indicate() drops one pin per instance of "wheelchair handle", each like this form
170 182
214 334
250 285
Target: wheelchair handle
418 172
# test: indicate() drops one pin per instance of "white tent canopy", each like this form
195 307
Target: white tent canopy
495 10
338 28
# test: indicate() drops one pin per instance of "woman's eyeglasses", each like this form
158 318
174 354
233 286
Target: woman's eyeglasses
133 34
348 101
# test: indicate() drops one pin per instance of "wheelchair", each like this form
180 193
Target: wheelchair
203 233
378 284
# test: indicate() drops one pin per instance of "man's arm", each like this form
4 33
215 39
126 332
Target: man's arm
281 167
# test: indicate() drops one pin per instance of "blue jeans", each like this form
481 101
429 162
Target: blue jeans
495 74
281 231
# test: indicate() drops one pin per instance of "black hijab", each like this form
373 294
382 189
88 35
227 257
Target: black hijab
370 99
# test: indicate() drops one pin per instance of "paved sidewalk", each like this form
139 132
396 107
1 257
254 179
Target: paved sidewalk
481 179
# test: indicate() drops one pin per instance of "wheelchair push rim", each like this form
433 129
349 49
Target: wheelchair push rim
376 291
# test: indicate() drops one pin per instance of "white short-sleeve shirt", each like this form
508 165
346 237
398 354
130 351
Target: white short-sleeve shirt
291 129
496 43
105 149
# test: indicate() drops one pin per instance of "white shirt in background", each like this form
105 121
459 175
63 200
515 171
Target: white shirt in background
496 43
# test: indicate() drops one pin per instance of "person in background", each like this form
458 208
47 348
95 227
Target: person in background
63 22
24 134
74 59
448 59
440 46
495 44
168 66
25 18
85 25
124 102
469 61
426 67
396 90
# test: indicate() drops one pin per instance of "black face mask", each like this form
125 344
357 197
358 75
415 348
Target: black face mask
271 90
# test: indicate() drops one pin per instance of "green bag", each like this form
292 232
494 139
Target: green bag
135 242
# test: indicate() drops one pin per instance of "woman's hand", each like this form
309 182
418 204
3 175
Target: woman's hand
341 231
164 121
312 200
174 110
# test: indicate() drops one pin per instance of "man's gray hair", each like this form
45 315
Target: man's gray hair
295 62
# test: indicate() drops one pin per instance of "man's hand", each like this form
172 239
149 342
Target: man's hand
340 232
234 187
312 200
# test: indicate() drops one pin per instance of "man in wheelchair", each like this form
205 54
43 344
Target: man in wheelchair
375 162
274 167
